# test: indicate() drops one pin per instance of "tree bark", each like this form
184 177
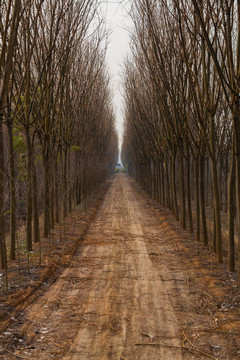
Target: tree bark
36 230
65 183
12 191
197 198
216 197
56 193
182 190
52 189
189 200
2 175
231 206
237 158
217 211
163 188
45 158
29 191
174 190
202 201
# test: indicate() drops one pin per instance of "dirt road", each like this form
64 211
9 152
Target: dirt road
135 289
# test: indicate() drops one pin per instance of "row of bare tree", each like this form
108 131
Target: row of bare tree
182 128
57 134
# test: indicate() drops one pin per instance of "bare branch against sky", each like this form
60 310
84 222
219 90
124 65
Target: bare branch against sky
118 21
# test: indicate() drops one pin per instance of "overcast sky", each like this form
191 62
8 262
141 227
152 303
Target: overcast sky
117 20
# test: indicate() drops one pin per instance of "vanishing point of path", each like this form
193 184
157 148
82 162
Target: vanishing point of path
136 289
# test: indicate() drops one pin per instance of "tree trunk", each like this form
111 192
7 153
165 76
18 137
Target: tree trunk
182 190
174 190
226 184
159 185
2 175
216 196
153 179
46 167
69 181
56 193
197 199
189 201
65 186
163 188
168 187
52 189
29 190
202 201
231 247
214 232
217 211
221 181
207 181
237 157
36 230
12 192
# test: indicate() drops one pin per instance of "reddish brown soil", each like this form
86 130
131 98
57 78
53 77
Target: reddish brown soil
26 274
138 287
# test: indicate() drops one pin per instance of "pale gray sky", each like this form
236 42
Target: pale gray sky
117 20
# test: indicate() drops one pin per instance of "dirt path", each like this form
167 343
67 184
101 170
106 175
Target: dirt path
132 291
